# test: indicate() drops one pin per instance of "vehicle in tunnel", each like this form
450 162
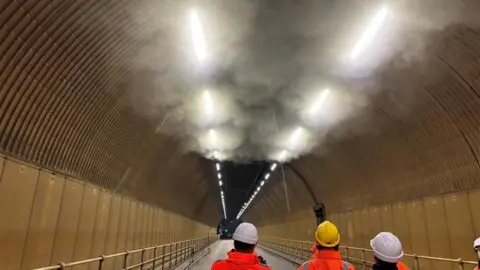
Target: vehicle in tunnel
227 227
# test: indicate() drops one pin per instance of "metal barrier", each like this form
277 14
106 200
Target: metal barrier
302 250
163 257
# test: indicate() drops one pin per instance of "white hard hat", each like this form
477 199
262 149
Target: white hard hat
476 243
387 247
246 233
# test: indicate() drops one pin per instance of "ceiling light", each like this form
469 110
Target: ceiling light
262 183
267 176
198 36
207 102
258 188
317 105
219 176
220 183
218 166
274 165
296 135
369 33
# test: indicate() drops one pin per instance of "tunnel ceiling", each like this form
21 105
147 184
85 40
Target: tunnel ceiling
364 102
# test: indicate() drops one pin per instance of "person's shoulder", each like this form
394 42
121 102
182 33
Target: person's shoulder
217 264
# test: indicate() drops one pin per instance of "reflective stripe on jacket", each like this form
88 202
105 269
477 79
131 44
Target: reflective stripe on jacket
240 261
326 260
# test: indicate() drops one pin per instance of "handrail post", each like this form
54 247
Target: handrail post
460 264
415 262
364 261
170 254
163 256
346 253
142 259
100 263
62 265
125 259
155 257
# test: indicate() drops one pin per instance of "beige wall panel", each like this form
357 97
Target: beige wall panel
349 231
131 229
366 231
145 228
148 234
156 223
66 233
386 216
348 235
86 226
357 228
163 218
460 226
375 221
18 181
100 228
131 225
402 229
43 222
365 218
112 230
437 231
418 231
474 200
121 242
151 224
137 242
342 222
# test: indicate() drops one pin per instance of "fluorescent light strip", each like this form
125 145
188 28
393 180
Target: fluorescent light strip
369 33
259 187
198 36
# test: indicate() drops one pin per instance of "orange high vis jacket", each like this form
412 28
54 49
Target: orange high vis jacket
240 261
401 266
326 260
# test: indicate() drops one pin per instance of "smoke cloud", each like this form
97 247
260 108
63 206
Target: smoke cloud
269 65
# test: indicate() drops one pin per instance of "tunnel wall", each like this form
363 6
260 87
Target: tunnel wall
47 218
441 226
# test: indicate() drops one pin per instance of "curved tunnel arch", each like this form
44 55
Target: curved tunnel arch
66 105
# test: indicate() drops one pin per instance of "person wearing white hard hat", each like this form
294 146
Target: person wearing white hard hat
243 257
476 248
388 252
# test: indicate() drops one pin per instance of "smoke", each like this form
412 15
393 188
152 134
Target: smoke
280 75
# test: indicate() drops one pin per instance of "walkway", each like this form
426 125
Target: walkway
219 250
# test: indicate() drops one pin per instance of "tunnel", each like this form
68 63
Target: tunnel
140 134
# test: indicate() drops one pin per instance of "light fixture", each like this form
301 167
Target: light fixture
219 176
370 33
262 183
207 102
198 36
321 100
220 183
272 168
218 166
296 135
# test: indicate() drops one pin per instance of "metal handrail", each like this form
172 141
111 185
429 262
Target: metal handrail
177 252
302 250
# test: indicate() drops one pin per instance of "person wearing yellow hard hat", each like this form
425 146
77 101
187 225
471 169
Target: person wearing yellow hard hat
326 255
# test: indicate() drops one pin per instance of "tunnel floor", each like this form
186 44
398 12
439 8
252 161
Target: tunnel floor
218 251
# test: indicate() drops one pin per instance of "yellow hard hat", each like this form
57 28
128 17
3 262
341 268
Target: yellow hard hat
327 234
